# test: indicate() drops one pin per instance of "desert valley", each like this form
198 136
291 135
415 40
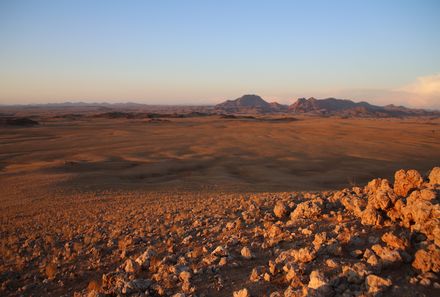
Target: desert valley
245 198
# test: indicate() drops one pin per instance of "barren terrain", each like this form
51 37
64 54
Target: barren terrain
207 206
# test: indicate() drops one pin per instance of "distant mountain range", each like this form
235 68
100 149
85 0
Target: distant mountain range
323 107
247 104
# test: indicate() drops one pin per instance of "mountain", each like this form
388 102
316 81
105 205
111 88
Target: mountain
327 105
249 104
344 107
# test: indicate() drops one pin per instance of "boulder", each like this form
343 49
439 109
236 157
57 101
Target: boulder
307 210
280 209
376 284
318 282
397 242
427 259
386 254
371 216
246 253
241 293
406 181
434 176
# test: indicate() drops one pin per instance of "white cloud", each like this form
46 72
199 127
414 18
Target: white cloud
424 85
424 92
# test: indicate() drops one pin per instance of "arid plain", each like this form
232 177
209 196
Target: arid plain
211 153
83 199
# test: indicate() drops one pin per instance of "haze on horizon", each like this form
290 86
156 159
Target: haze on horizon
202 52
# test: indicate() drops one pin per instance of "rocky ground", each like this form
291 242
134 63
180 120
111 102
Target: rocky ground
379 240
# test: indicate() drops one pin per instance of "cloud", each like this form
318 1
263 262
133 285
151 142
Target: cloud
425 85
423 92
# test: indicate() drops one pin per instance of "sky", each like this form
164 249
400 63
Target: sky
202 52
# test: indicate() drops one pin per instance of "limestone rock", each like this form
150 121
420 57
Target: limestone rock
434 176
306 210
280 209
386 254
317 280
370 216
185 276
246 253
405 181
394 241
130 266
376 284
241 293
257 274
427 259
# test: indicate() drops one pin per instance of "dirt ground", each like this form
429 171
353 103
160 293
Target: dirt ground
211 153
88 185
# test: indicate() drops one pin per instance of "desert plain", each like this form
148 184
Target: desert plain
219 206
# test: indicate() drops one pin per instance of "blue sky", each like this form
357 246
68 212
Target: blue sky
192 52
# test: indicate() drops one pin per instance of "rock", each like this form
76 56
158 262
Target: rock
370 216
51 270
331 263
354 204
143 260
422 213
317 280
307 210
376 185
257 274
380 194
185 276
223 261
136 286
394 241
334 248
291 292
374 262
273 269
425 282
246 253
114 281
130 266
292 275
220 251
376 284
405 181
319 239
280 209
187 240
318 285
241 293
427 259
386 254
274 231
303 255
355 273
434 176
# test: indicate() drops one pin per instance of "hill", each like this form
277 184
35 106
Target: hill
344 107
249 104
